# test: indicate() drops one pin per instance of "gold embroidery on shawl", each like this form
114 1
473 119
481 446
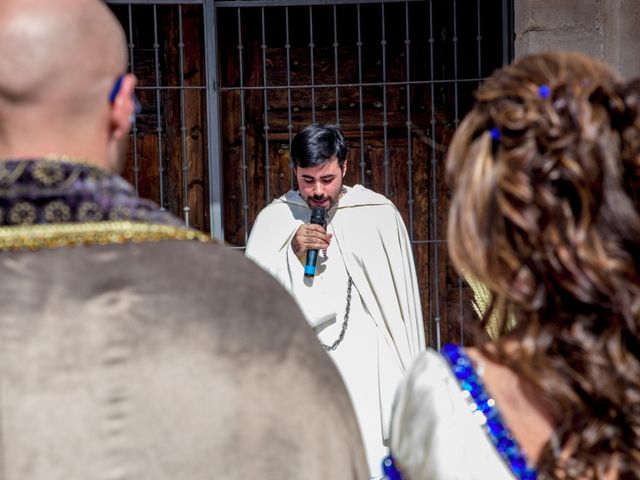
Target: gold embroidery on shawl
50 236
48 173
22 213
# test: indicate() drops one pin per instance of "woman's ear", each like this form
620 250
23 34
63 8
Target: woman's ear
123 107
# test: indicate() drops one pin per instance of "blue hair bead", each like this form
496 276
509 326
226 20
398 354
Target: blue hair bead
544 91
495 134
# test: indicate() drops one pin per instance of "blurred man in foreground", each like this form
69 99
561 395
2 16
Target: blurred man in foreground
131 346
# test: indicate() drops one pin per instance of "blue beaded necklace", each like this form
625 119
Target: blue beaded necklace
483 408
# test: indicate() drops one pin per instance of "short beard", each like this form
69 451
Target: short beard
332 202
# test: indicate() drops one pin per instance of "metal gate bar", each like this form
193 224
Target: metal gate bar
183 125
407 44
134 129
335 85
291 3
214 154
456 122
478 42
243 132
335 63
267 165
289 116
360 98
434 285
385 123
155 2
312 66
156 59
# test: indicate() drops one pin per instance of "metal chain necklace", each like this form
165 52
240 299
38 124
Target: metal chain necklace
345 322
347 309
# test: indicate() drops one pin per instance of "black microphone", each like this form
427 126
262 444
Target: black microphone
317 218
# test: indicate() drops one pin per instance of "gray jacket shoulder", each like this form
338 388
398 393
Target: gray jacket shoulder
180 353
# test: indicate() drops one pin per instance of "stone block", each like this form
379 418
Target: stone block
578 40
552 14
629 37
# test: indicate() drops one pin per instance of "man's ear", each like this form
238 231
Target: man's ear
123 107
344 167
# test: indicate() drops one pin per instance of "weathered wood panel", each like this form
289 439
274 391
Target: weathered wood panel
163 163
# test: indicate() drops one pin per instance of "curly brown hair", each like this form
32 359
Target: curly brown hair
545 173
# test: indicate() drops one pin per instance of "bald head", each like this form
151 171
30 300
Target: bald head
59 61
57 47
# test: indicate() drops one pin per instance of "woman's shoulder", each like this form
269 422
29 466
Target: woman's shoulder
428 376
434 433
429 394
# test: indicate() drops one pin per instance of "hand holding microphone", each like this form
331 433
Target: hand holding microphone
310 238
317 218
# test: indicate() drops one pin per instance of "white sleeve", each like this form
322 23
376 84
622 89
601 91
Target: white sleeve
312 302
269 246
268 242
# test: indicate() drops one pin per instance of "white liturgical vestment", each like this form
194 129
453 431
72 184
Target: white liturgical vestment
385 331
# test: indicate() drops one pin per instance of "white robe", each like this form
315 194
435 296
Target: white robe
434 434
370 242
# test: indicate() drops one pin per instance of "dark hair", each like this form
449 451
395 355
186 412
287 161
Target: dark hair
316 144
545 213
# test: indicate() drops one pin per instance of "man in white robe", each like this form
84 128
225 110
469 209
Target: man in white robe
364 254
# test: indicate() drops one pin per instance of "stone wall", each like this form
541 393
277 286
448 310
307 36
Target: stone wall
606 29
